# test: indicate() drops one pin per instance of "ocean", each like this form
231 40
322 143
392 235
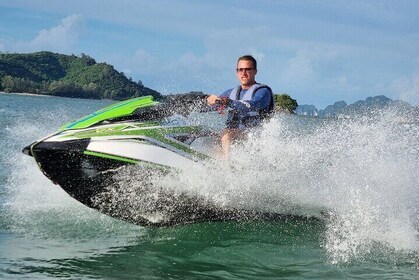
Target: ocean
358 177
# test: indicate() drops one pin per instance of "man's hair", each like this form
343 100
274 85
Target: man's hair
248 58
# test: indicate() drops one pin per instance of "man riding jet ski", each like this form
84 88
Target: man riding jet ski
86 156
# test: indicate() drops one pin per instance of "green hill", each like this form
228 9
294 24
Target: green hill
66 75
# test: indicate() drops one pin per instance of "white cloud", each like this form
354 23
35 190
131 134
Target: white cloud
234 42
144 61
309 61
190 61
59 38
299 69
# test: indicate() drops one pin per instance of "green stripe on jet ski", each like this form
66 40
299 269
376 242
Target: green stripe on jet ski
124 159
120 109
111 157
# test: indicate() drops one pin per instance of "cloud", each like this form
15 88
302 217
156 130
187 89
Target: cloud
228 43
310 61
299 68
60 38
144 61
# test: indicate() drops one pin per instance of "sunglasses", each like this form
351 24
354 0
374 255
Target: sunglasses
242 70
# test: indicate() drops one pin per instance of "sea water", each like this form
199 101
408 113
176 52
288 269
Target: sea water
359 176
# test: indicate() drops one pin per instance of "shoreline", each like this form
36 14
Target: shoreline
26 94
51 96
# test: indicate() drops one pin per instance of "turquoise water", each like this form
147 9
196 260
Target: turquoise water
363 173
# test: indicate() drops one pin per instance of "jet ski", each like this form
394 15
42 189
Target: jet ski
85 157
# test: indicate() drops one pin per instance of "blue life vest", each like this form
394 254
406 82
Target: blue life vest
248 95
249 118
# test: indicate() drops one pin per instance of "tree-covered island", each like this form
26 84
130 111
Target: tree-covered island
68 76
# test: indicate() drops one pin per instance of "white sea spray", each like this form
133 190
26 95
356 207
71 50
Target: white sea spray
359 175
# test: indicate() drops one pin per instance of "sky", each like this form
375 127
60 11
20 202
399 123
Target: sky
317 51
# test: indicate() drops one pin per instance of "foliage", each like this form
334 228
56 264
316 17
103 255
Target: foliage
67 75
284 102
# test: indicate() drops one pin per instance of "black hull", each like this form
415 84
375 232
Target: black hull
81 176
93 181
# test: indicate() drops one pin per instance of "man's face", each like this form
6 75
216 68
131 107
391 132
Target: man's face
246 73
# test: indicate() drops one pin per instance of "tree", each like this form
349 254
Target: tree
8 83
88 59
284 103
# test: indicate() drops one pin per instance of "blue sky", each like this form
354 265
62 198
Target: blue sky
317 51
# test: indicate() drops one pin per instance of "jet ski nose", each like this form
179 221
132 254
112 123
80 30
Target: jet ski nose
27 150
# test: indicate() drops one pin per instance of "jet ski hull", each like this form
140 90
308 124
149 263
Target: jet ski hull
87 157
81 176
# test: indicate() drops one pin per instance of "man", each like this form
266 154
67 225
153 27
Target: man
248 104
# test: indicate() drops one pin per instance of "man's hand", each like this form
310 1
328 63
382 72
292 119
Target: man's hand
212 99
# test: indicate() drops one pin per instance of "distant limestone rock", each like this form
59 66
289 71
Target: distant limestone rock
362 107
333 110
371 104
368 107
307 110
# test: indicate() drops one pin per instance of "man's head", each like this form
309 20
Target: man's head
246 70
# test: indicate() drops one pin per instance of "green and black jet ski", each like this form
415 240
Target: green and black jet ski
85 156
